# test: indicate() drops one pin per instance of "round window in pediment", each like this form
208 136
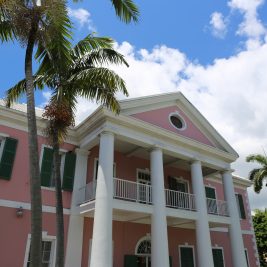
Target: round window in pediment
177 121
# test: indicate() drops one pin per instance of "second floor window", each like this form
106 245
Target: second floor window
240 206
8 148
68 161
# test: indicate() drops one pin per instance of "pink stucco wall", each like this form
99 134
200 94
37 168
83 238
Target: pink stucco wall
160 117
14 234
18 187
126 236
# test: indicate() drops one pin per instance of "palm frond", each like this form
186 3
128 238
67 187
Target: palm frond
101 57
98 78
258 158
126 10
258 180
6 31
54 45
15 92
91 42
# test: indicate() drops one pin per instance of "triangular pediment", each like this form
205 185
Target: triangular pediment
159 111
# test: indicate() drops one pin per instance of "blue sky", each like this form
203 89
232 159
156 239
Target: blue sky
214 51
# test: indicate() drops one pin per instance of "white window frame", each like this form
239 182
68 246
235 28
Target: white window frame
213 187
220 248
62 152
179 253
2 143
95 171
144 238
145 171
247 256
45 237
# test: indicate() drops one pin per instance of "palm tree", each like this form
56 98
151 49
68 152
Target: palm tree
85 76
258 175
32 23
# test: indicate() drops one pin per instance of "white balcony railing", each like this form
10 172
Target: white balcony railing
142 193
217 207
180 200
87 193
132 191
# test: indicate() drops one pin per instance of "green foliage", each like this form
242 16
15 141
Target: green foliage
260 227
258 175
126 10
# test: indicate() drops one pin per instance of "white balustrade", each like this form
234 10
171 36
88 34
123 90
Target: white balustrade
132 191
217 207
180 200
87 192
142 193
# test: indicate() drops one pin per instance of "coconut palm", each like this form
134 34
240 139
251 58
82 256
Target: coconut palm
87 76
258 175
32 23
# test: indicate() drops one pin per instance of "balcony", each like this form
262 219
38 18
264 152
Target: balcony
142 194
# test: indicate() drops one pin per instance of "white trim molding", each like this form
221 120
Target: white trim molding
27 206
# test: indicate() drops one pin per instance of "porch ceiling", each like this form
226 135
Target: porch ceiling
132 150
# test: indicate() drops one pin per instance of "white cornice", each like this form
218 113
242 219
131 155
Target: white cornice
17 119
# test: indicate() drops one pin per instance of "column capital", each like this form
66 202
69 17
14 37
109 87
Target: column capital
195 160
106 132
155 148
227 171
82 151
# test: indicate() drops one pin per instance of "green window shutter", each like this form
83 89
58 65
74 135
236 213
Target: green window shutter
170 260
69 171
8 157
46 168
210 192
218 257
241 207
172 183
187 257
130 261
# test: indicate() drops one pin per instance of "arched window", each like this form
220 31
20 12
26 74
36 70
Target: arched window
143 247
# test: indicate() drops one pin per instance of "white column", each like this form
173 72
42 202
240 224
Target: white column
237 246
75 230
159 234
204 250
101 255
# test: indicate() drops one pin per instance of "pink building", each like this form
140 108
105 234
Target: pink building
150 187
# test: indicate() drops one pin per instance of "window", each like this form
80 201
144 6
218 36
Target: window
96 169
178 184
143 176
177 121
8 148
218 258
187 256
47 255
68 161
240 206
211 200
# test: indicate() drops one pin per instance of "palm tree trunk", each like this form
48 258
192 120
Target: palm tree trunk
35 182
59 203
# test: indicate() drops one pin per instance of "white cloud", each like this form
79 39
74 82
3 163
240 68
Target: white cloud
251 26
83 17
218 24
46 95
